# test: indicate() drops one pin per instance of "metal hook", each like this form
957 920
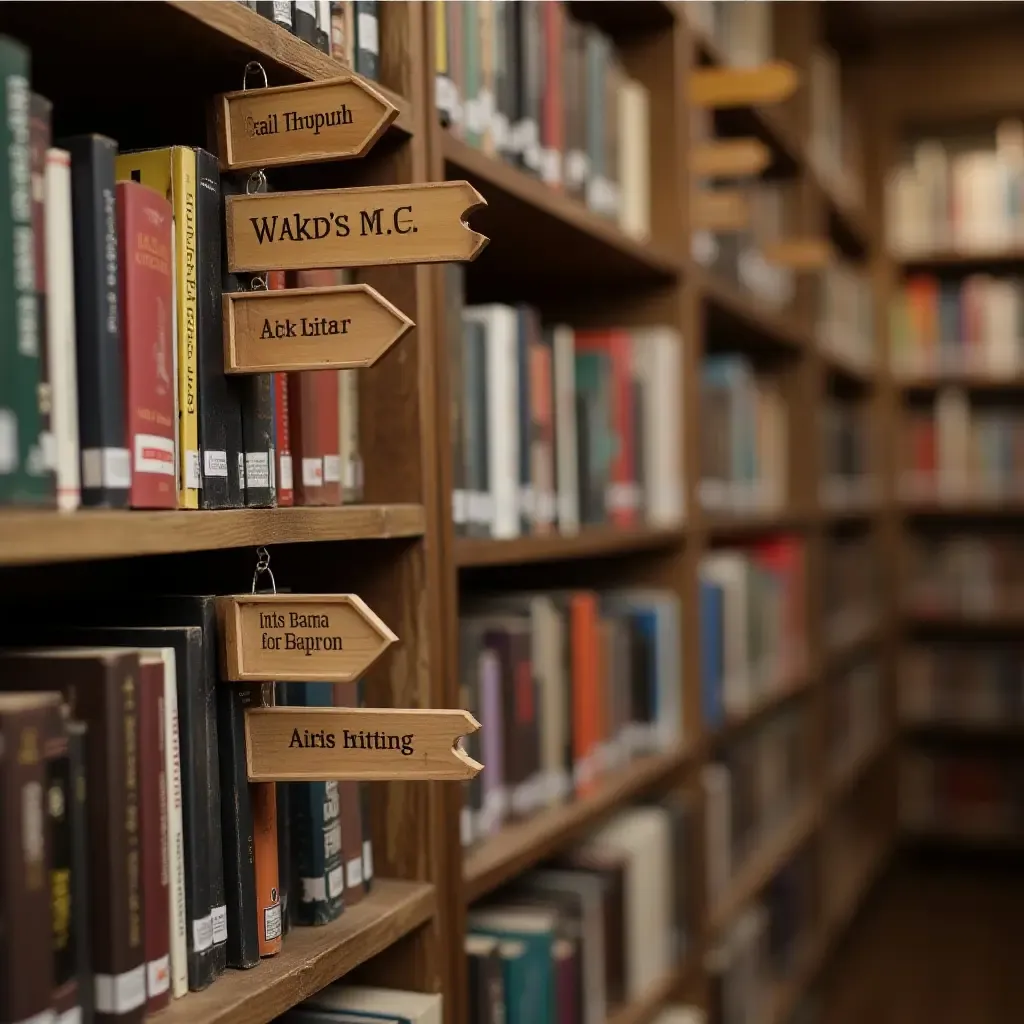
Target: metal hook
253 66
263 566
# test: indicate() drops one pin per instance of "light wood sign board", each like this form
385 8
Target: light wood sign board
352 227
719 88
317 638
335 119
316 744
340 327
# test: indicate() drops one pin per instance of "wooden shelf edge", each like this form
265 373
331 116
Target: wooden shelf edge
643 1009
761 866
958 257
756 316
967 381
471 552
841 782
36 536
272 43
534 193
724 526
798 683
311 958
522 845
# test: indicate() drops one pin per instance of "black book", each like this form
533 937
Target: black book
102 426
367 43
277 11
284 853
304 20
323 25
77 734
220 414
256 398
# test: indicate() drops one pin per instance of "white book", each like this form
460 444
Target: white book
415 1007
680 1015
548 645
60 328
729 570
566 442
634 171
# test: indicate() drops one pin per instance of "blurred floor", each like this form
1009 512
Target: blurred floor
936 944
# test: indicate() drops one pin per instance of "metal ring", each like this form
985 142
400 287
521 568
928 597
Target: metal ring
253 65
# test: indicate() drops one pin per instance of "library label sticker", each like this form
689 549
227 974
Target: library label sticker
319 638
352 227
339 327
316 744
336 119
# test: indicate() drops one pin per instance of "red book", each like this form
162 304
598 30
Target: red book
553 103
313 415
153 829
147 301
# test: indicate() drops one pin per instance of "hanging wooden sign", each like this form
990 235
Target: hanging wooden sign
800 254
720 210
316 744
318 638
335 119
719 88
729 158
340 327
352 227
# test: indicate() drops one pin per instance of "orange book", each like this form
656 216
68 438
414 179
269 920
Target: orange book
586 698
268 893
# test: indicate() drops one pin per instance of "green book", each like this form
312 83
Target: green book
23 476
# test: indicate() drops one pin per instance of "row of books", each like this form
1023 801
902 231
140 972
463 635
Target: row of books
206 870
953 327
348 30
962 683
847 471
957 449
850 589
113 391
342 1003
597 928
751 790
528 84
835 147
958 192
556 428
969 574
744 438
846 314
854 716
741 33
753 622
567 687
974 794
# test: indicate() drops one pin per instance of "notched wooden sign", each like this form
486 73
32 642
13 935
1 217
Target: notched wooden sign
341 327
719 88
352 227
336 119
720 210
319 638
315 744
729 158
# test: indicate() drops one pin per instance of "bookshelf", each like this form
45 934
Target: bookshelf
400 549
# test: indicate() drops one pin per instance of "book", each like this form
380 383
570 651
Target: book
366 40
144 261
377 1003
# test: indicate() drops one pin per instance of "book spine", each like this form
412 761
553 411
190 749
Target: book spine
339 48
42 461
264 815
350 820
153 827
277 11
220 414
26 951
323 25
175 843
304 20
258 430
367 38
78 824
60 328
284 848
283 442
185 199
102 425
349 449
144 261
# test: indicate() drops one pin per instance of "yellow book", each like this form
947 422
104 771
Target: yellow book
172 172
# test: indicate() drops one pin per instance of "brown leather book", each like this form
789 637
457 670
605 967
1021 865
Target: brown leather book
268 894
100 685
27 722
346 695
153 826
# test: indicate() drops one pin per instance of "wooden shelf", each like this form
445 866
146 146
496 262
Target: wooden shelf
745 319
1002 509
770 854
590 542
564 239
982 839
963 260
34 536
793 687
524 844
841 782
996 620
721 527
643 1009
923 382
310 959
850 370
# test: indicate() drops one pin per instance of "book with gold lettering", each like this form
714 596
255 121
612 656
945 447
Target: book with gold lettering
171 171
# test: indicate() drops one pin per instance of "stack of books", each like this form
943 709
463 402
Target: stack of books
530 85
851 589
744 439
958 193
602 926
848 480
854 716
846 314
753 623
568 686
557 429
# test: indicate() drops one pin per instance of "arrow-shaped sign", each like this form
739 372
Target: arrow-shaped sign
339 327
743 87
729 158
319 638
352 227
334 119
316 744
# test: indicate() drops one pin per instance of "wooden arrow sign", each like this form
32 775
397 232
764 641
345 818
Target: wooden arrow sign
316 744
318 638
720 210
800 254
352 227
729 158
335 119
340 327
719 88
